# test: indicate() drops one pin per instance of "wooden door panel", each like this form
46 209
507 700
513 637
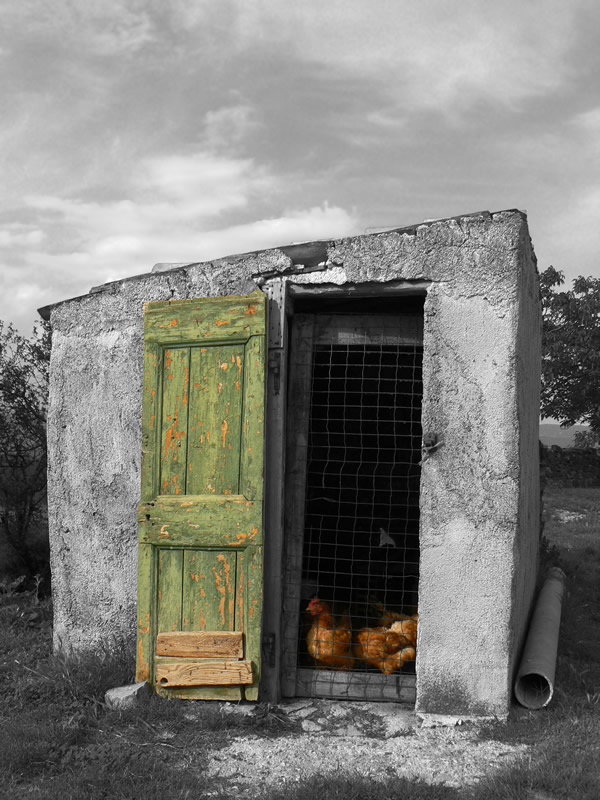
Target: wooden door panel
253 429
215 420
170 568
204 320
203 644
200 515
207 673
209 591
174 421
249 605
201 521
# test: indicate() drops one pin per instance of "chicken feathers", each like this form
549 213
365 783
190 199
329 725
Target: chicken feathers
329 643
389 645
386 647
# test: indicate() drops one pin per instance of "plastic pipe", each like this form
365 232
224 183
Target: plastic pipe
534 685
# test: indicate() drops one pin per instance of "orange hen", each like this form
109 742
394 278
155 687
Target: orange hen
407 630
389 646
388 617
374 645
398 659
328 643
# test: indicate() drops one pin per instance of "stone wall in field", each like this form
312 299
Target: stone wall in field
569 466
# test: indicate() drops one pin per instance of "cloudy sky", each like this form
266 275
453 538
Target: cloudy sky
142 131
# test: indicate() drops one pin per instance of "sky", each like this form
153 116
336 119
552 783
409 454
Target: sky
141 131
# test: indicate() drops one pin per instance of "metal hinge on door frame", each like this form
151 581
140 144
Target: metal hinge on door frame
274 366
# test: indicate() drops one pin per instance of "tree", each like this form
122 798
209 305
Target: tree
24 369
585 440
571 350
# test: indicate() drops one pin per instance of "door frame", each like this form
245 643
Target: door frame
283 293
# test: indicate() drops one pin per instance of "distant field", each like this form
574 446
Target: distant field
551 433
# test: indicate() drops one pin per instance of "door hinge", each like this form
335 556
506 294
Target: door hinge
268 647
274 364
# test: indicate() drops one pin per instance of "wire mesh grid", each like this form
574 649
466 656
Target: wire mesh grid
360 561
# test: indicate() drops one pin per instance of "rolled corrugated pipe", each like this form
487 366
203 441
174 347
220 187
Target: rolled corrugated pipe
534 684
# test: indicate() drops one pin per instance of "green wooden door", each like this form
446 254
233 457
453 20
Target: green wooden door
200 514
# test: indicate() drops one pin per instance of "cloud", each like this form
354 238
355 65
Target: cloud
41 277
139 131
569 237
588 120
432 55
586 134
179 208
120 255
293 226
112 28
168 192
206 184
228 126
20 235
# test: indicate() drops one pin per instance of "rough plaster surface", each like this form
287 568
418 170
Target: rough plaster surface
94 435
480 501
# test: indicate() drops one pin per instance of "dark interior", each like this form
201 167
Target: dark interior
361 531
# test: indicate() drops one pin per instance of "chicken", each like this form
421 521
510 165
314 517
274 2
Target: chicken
374 645
389 645
329 644
383 648
398 659
406 629
388 617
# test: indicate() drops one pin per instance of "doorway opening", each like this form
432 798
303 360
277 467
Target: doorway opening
352 530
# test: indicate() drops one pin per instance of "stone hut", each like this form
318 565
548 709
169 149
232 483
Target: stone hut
354 420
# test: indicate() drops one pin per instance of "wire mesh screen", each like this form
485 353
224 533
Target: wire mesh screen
360 565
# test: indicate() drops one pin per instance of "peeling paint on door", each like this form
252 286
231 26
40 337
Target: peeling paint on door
204 526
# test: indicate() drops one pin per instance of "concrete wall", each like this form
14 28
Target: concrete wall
480 497
94 444
481 391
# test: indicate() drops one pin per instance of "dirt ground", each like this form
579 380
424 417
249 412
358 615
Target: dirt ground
368 739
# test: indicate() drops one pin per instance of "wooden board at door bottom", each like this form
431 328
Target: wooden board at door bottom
200 644
208 673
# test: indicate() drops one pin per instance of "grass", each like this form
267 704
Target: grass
565 737
57 739
581 510
356 787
